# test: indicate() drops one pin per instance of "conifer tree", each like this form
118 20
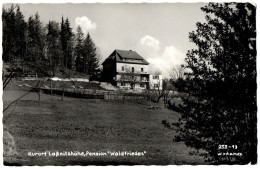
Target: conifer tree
90 60
54 47
20 29
69 47
220 83
78 50
35 58
66 42
8 21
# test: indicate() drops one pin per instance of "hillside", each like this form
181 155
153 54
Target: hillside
66 73
60 72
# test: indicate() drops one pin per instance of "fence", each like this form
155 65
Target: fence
95 94
124 96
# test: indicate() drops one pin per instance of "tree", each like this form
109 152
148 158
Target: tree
78 50
66 42
35 40
156 88
9 43
20 29
177 73
220 106
168 89
54 49
90 60
130 77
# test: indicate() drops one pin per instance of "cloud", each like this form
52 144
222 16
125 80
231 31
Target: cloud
85 23
150 41
162 59
174 55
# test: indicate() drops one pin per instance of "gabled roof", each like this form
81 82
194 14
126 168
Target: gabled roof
126 56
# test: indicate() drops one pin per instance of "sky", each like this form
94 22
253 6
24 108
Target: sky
157 31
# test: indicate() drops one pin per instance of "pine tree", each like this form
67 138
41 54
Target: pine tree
220 83
78 50
35 59
63 41
20 29
8 34
54 46
91 65
66 41
69 48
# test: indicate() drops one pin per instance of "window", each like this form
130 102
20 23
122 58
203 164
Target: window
142 69
155 77
142 85
156 85
123 68
133 69
122 84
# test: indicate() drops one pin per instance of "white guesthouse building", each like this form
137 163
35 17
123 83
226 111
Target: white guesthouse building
126 69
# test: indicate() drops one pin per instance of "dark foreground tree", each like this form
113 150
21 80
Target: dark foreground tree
218 114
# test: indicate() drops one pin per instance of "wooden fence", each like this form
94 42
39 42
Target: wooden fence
95 94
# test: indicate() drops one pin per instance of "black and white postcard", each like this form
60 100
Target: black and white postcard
129 84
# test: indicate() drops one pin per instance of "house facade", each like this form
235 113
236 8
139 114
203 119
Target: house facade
126 69
156 82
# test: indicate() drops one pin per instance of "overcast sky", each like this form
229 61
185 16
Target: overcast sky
158 32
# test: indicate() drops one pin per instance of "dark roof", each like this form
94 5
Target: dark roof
121 55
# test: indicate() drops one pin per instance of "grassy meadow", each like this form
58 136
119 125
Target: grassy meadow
90 125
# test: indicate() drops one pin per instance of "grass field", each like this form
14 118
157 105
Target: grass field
95 126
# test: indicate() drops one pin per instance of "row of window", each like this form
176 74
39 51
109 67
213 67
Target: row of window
133 69
141 85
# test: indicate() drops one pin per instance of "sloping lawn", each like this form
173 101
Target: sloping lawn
95 126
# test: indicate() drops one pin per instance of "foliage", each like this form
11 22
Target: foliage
66 42
78 50
35 60
220 106
33 47
177 73
86 55
91 58
54 49
14 26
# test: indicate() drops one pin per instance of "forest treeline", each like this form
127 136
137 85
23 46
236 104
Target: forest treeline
33 47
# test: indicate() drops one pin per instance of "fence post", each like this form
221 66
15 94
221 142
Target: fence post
51 87
39 99
63 92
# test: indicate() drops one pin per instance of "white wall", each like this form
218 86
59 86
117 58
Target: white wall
153 81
